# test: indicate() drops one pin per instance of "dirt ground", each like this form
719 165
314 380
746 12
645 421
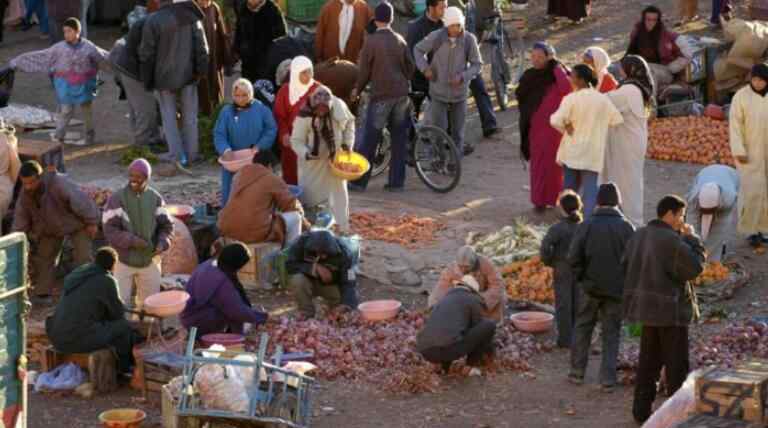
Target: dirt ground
493 191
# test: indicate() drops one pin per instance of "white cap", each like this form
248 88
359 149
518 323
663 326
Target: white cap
470 282
709 196
453 16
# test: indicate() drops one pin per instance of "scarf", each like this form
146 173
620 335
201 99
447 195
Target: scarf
761 71
296 89
639 74
601 61
322 125
533 86
346 19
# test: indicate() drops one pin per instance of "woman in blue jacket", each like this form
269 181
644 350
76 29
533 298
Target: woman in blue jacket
243 124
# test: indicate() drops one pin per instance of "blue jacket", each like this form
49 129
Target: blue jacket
238 129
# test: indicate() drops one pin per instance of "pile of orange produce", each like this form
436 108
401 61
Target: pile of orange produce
692 139
349 167
529 280
714 272
407 230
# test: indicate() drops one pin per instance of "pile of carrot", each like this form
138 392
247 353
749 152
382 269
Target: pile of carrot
691 139
349 167
406 230
529 280
714 272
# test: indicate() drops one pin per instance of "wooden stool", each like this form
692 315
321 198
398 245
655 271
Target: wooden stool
101 366
154 374
46 153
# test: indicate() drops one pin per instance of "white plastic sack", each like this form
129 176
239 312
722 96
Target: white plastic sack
65 377
678 407
221 388
688 45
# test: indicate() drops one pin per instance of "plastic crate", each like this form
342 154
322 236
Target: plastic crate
306 11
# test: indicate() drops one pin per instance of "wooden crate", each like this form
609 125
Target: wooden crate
705 421
733 393
757 365
257 273
47 153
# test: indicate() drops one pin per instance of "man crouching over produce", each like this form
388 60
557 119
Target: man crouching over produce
660 261
491 287
319 264
458 327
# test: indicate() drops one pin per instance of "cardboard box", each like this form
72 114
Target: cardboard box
733 393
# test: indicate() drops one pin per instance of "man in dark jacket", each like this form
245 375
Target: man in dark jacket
58 12
51 208
660 261
457 327
595 257
320 265
386 63
90 315
259 23
124 58
174 56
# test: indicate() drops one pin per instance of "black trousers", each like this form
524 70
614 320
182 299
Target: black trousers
477 342
3 8
659 347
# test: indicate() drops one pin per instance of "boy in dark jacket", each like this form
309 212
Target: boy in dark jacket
660 261
458 328
595 257
554 253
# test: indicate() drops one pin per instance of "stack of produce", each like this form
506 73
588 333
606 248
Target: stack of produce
37 341
714 272
529 280
383 353
407 230
519 241
692 139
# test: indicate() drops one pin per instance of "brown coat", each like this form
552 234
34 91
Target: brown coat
211 86
257 196
327 33
491 287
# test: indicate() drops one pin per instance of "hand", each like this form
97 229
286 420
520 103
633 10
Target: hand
569 129
92 230
428 74
324 274
286 140
687 230
742 159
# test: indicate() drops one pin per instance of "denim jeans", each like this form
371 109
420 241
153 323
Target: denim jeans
484 105
182 143
37 8
454 114
395 116
592 310
85 5
585 183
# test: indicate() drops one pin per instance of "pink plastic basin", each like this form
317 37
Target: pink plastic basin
533 322
167 303
235 160
226 340
379 310
180 211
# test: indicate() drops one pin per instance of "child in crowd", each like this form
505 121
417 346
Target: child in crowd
554 253
73 64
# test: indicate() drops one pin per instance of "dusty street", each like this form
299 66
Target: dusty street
493 191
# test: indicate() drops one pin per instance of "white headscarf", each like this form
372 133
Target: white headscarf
296 89
601 62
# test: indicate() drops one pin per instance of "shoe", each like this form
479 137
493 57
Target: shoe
468 150
575 379
488 133
356 188
26 25
392 189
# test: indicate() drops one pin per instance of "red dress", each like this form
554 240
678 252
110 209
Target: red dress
285 114
608 84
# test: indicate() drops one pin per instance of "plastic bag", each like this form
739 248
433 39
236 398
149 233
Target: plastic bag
65 377
221 388
678 407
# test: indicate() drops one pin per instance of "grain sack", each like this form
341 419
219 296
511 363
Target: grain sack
181 258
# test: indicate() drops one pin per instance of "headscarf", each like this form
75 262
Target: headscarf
639 74
530 92
142 166
761 71
322 242
318 109
282 72
453 16
467 257
601 61
296 89
231 259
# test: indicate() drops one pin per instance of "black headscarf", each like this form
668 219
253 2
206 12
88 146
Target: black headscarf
322 242
530 92
761 71
639 74
644 39
231 259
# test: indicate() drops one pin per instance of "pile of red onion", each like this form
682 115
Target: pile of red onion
383 353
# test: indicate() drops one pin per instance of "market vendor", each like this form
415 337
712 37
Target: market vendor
750 42
319 264
458 327
712 207
492 289
261 207
49 209
90 315
218 302
658 46
245 123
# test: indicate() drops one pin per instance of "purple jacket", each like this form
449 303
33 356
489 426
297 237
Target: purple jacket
215 305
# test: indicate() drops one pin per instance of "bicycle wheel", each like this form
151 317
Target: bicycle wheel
436 159
383 155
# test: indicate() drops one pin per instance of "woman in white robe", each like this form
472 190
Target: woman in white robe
10 164
627 142
324 126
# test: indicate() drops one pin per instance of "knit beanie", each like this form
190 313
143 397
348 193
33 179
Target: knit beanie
233 257
453 16
383 13
608 195
141 166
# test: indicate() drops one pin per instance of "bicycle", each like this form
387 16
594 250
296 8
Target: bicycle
431 152
507 56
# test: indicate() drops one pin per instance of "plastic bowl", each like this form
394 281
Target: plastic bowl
235 160
226 340
181 212
379 310
352 158
166 304
533 322
122 418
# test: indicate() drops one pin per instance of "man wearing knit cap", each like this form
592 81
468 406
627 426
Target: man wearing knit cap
595 257
386 64
450 59
138 226
713 209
